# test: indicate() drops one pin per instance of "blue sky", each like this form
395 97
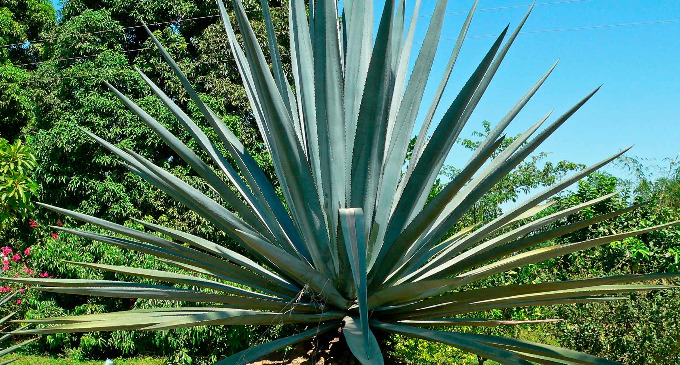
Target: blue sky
638 66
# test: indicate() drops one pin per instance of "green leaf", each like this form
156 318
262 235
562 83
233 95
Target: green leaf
421 140
330 114
473 322
369 139
408 108
266 203
294 267
352 222
170 319
540 349
256 352
215 249
363 345
495 292
221 270
441 142
295 170
459 340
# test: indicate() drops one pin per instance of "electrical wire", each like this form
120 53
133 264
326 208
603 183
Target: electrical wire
590 27
42 40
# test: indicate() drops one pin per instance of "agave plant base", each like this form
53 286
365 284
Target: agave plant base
327 348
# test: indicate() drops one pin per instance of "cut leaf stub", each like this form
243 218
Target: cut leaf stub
354 242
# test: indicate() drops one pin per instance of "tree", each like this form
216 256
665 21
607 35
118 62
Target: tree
64 89
21 21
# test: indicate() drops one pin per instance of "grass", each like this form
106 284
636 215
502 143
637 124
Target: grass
47 360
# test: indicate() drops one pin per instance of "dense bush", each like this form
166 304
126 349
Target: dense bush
641 330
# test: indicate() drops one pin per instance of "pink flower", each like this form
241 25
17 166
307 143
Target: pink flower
3 290
5 268
44 275
21 290
27 271
27 251
16 257
16 275
54 236
60 224
19 301
32 223
6 250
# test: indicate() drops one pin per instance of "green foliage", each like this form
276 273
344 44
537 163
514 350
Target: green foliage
641 330
45 360
20 21
17 188
90 44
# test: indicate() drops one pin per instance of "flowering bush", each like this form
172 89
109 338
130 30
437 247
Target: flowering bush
17 266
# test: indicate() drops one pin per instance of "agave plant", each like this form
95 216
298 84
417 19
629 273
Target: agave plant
353 243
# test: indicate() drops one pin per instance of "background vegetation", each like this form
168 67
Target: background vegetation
51 71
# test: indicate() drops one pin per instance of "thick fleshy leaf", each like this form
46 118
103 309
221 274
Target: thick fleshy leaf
369 139
438 266
353 233
275 215
279 76
415 290
302 59
359 43
458 340
363 345
472 104
171 319
10 349
442 140
249 168
458 263
407 245
172 277
222 271
527 300
213 248
473 322
407 109
254 353
330 114
421 140
532 240
294 173
296 268
181 295
540 349
492 293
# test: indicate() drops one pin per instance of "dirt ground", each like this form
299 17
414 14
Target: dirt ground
334 352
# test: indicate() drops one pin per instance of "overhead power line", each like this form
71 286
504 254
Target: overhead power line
590 27
42 40
81 57
508 7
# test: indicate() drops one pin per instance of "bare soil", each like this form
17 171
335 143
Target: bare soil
324 350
